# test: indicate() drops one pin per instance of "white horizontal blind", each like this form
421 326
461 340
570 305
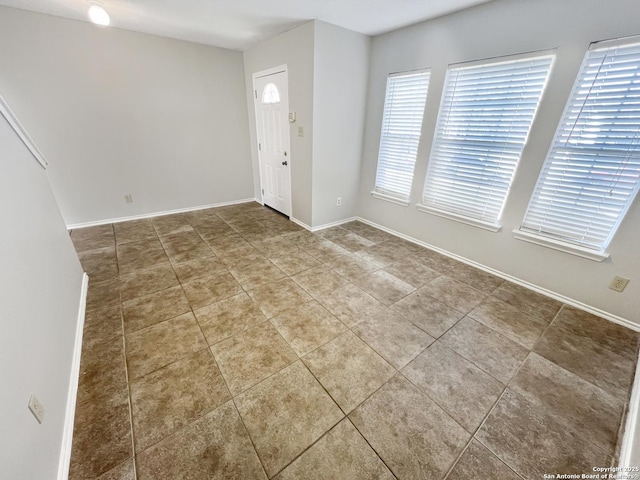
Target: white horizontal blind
485 116
401 126
592 171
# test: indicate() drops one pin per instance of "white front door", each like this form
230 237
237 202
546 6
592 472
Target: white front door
271 99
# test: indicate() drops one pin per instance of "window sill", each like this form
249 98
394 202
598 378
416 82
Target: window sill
492 227
389 198
561 246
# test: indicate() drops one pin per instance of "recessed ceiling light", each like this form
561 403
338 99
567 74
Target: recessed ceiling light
98 15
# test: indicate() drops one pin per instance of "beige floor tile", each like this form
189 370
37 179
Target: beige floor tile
295 262
413 271
319 281
384 254
102 372
134 231
461 389
141 255
276 297
608 334
92 238
168 224
210 231
413 436
436 261
100 264
341 453
477 462
157 307
154 347
366 231
528 301
427 313
199 268
124 471
102 325
185 246
492 352
174 396
103 294
476 278
351 305
395 339
257 273
307 326
144 282
228 317
251 356
214 288
509 321
384 286
588 359
533 443
455 294
101 437
588 410
351 266
285 414
345 239
324 250
275 247
214 446
348 369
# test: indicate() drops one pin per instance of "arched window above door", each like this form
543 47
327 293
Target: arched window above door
270 94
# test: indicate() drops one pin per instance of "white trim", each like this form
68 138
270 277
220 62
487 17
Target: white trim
390 198
632 425
67 434
157 214
270 71
492 227
556 296
322 227
22 133
561 246
301 223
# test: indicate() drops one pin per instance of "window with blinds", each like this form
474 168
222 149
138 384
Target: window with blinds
592 171
404 103
485 115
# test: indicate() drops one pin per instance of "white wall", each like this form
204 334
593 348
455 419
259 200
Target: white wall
498 28
341 69
40 285
295 49
118 112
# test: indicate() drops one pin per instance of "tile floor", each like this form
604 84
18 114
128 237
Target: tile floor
231 344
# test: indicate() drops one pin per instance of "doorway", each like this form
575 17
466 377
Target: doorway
271 100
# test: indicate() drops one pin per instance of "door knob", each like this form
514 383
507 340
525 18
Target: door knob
285 163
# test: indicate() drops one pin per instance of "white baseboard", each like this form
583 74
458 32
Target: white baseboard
549 293
67 434
322 227
631 436
157 214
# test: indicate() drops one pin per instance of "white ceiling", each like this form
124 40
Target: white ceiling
241 24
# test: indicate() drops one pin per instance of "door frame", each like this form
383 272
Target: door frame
254 77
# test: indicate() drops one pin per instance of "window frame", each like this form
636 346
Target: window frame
556 241
379 191
441 142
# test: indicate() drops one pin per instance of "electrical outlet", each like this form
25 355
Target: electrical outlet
618 283
128 198
36 408
338 201
301 131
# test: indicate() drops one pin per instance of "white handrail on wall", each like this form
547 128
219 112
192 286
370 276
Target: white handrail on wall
22 133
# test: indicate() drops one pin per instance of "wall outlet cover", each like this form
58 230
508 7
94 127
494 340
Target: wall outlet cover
36 408
618 283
